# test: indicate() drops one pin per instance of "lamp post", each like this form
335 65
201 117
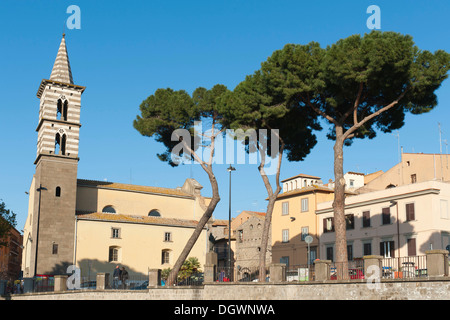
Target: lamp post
37 227
229 169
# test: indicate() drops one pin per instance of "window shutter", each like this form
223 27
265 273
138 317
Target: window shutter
366 219
410 212
392 248
382 249
386 216
411 247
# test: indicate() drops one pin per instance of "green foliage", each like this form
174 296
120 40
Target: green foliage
385 66
167 110
7 221
190 267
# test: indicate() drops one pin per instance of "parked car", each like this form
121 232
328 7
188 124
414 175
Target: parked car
353 274
89 285
141 286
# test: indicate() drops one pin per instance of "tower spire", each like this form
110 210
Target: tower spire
61 71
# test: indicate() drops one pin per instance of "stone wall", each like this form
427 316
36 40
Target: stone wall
427 289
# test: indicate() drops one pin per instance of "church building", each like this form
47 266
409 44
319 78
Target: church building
97 225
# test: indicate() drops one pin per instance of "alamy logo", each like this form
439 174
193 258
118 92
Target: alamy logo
74 21
374 21
248 144
74 281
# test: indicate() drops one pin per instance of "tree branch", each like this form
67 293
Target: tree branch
373 115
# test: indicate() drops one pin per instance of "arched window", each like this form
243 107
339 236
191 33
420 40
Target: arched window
61 110
58 192
109 209
64 111
57 143
60 144
114 254
154 213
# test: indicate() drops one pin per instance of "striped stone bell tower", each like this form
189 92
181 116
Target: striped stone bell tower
55 180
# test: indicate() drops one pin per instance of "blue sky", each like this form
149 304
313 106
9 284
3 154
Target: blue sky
125 50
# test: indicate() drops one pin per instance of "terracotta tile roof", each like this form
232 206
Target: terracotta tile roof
220 222
301 175
255 213
312 188
132 187
112 217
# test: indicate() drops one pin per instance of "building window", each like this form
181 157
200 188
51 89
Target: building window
386 216
305 232
350 221
55 248
154 213
352 183
367 249
312 255
328 225
168 236
413 178
285 260
411 247
285 235
115 233
410 215
240 235
350 252
330 253
387 249
165 256
58 192
304 204
114 254
61 110
285 208
108 209
366 219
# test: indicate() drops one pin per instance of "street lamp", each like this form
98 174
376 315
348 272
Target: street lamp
37 226
229 169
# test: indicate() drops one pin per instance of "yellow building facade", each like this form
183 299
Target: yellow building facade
293 219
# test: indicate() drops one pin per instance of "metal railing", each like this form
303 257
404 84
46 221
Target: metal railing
194 279
239 274
300 273
355 270
404 267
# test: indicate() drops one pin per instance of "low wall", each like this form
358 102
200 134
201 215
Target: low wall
426 289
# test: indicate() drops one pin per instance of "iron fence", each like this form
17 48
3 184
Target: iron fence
404 267
354 268
194 279
240 274
300 273
43 283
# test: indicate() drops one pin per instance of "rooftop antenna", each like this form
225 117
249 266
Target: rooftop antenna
446 151
440 150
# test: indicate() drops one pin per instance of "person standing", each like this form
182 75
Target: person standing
116 277
124 277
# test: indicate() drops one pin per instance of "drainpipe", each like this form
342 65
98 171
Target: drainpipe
75 241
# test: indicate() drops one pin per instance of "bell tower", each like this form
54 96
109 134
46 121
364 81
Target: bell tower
55 180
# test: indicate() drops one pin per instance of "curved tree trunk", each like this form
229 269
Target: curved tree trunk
339 206
198 229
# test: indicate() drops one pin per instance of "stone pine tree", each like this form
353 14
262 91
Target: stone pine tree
170 117
360 85
7 221
253 106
